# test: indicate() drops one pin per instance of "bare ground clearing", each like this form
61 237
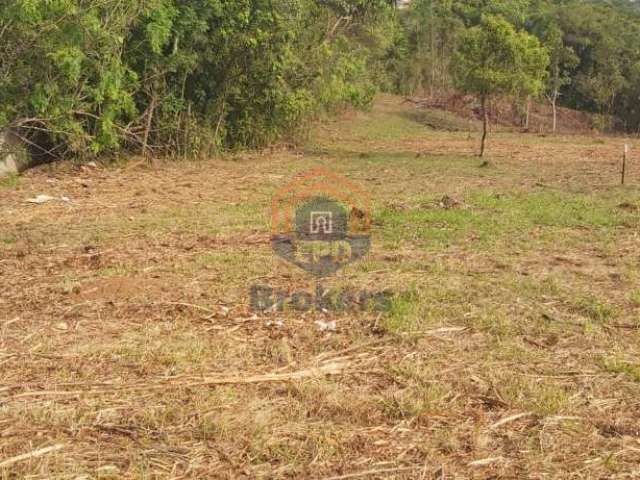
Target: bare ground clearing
128 350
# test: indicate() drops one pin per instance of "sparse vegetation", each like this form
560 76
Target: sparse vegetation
9 181
491 331
510 349
619 366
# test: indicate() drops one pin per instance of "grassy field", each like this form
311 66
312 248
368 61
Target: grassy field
128 348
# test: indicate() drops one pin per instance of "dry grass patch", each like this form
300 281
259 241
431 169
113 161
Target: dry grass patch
128 348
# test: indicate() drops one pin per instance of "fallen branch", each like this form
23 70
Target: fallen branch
370 473
510 419
27 456
331 369
334 29
622 326
485 462
437 331
188 305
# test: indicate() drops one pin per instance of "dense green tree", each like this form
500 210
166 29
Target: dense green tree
494 58
472 11
601 47
594 49
63 84
183 76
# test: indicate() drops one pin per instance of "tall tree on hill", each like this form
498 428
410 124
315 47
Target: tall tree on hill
493 58
562 60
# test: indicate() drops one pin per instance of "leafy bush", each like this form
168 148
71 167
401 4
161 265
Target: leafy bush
181 77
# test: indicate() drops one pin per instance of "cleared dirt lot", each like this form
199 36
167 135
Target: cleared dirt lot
128 348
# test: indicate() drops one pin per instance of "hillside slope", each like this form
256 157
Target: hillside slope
505 113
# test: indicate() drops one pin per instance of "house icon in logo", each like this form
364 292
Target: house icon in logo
321 223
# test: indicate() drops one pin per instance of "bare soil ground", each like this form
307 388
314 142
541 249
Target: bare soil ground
505 113
128 348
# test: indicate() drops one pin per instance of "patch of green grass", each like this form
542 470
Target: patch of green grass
552 209
618 366
416 402
117 271
392 128
441 120
243 216
10 181
510 349
232 264
403 314
496 323
488 219
540 397
368 266
7 239
634 296
228 259
433 227
596 310
396 264
537 289
206 219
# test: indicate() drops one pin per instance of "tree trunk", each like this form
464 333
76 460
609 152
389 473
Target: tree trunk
554 101
485 125
432 50
147 128
527 113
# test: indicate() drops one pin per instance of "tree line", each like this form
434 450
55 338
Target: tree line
182 77
190 77
590 59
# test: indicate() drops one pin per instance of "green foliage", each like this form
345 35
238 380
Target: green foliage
62 71
493 58
594 49
562 59
9 181
472 11
180 77
183 77
432 28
